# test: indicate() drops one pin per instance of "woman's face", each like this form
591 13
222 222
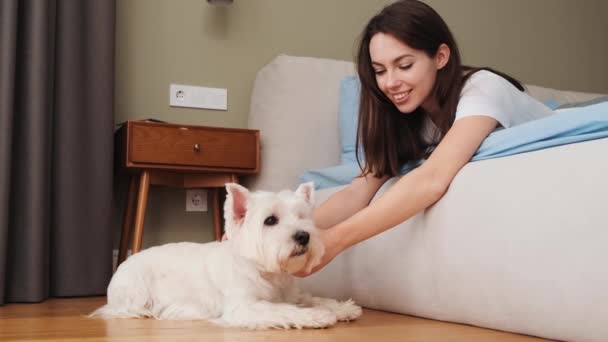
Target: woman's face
405 75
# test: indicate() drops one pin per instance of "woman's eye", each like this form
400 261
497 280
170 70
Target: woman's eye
379 72
405 67
271 220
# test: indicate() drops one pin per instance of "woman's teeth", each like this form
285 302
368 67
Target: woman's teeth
401 96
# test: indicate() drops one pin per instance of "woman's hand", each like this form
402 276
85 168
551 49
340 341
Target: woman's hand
332 248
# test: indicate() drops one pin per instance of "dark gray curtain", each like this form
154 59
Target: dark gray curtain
56 127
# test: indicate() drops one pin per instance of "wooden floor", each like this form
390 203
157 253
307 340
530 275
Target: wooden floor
64 319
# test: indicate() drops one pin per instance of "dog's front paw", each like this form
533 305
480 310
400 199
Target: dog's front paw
347 311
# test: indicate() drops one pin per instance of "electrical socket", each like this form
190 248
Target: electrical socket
196 200
181 95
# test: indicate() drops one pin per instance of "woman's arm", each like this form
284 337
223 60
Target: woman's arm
415 191
421 187
346 202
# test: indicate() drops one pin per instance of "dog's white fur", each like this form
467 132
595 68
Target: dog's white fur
244 281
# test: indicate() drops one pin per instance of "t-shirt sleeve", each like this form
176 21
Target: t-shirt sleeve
488 94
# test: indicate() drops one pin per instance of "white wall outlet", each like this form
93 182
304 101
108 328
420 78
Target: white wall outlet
196 200
198 97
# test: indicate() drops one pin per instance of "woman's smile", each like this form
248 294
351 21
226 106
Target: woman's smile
400 97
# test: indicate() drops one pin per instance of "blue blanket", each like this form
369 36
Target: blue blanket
565 127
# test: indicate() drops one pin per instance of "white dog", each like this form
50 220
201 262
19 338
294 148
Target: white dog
244 281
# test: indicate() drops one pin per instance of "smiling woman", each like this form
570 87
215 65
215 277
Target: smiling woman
417 101
400 69
409 62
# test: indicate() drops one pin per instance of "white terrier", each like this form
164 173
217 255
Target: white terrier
244 281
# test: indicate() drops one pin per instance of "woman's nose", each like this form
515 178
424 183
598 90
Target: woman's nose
392 80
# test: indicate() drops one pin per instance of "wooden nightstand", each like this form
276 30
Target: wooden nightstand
181 156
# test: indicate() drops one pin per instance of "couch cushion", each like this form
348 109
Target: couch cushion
560 97
294 104
584 103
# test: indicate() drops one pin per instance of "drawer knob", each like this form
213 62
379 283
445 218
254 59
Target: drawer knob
197 147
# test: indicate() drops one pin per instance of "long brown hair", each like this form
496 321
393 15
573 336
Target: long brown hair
388 137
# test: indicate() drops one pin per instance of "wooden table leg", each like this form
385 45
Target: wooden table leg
127 220
217 220
142 201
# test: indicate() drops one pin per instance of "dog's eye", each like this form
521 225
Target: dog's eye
271 220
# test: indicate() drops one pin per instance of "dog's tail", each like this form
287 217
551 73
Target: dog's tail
124 305
125 300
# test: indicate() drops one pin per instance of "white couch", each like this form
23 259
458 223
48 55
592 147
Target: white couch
518 243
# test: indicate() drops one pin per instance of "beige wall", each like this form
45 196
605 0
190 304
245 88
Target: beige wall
556 43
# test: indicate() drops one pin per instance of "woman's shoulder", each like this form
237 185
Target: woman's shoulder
485 75
490 94
487 81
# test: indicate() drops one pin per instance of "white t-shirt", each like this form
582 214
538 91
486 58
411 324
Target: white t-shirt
488 94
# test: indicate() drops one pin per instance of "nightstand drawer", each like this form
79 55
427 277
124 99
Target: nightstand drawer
192 146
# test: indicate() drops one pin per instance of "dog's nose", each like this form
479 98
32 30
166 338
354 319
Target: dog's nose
302 237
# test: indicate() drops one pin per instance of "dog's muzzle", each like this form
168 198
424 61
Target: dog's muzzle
299 250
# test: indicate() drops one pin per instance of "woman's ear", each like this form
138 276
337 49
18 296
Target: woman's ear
442 57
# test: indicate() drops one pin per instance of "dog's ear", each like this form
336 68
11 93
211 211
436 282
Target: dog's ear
235 207
307 190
